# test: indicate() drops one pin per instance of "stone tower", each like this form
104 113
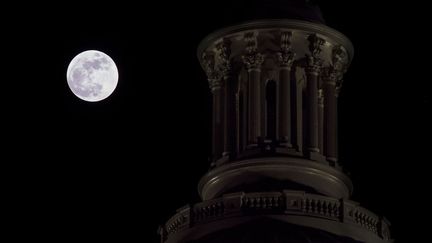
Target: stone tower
275 175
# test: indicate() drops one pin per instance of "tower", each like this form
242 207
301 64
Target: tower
275 174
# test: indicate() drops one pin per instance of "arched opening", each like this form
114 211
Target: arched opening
271 109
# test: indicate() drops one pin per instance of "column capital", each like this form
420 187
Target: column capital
253 59
286 55
213 76
315 44
314 62
333 74
224 49
314 66
286 59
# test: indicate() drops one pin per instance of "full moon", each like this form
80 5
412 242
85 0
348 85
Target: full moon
92 75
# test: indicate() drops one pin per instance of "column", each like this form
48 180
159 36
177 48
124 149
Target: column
312 109
285 58
330 118
215 85
228 97
253 61
298 111
229 114
321 121
332 85
218 128
241 115
313 69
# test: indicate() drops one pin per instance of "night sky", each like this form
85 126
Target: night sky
112 171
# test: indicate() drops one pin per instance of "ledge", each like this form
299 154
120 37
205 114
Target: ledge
322 178
341 217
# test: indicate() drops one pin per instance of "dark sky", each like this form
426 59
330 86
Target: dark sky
113 170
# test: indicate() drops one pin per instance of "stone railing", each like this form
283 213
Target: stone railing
321 206
263 201
178 222
285 203
208 210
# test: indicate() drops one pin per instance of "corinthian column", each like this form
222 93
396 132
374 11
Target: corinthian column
332 84
253 61
228 97
313 69
321 120
285 57
214 80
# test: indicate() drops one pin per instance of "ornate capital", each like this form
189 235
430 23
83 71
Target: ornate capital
313 65
208 61
338 59
315 44
213 76
224 49
313 60
339 66
252 59
286 59
286 55
335 71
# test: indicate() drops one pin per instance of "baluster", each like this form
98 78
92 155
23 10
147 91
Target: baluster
325 209
313 205
309 205
319 207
